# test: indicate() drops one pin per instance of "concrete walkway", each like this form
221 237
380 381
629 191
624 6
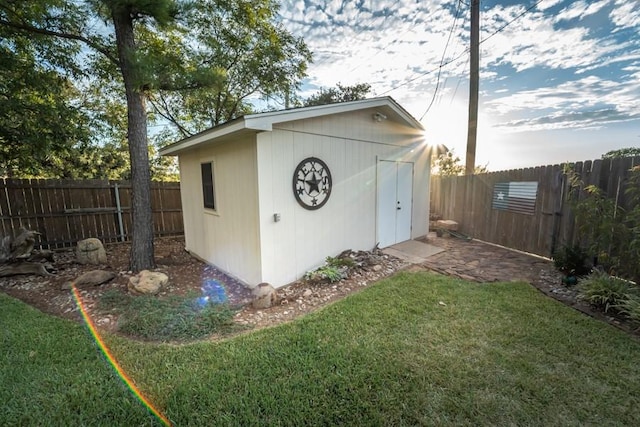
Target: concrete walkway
413 251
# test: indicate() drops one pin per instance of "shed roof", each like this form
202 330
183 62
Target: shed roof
252 123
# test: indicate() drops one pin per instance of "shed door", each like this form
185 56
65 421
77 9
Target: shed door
395 187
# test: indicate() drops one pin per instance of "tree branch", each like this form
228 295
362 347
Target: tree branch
35 30
165 113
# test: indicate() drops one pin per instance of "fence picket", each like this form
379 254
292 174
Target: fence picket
468 200
65 211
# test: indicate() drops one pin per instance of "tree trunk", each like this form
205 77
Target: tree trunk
141 257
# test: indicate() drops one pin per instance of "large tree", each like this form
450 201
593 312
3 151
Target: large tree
339 93
154 47
254 56
449 164
622 152
39 114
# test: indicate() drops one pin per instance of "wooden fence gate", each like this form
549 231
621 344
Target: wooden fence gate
499 207
65 211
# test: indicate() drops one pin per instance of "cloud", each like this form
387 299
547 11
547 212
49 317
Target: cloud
569 120
546 4
580 9
590 101
625 14
571 64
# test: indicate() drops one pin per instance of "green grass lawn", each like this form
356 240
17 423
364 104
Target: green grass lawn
415 349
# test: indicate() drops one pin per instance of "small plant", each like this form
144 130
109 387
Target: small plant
334 270
340 262
572 260
325 273
604 291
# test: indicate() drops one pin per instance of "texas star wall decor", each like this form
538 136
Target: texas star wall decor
312 183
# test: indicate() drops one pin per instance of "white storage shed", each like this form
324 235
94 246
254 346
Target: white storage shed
267 197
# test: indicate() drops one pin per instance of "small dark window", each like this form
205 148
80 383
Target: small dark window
208 191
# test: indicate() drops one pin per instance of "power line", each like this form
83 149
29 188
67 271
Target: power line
466 51
444 52
425 73
512 21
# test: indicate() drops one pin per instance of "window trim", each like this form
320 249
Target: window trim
213 205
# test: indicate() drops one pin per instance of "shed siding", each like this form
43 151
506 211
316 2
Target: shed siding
228 238
356 125
302 239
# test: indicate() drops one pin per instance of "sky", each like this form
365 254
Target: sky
559 79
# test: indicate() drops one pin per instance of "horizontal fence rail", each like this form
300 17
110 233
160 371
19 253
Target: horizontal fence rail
533 218
65 211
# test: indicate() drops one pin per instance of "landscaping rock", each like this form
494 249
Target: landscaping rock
264 296
91 251
95 277
147 282
447 224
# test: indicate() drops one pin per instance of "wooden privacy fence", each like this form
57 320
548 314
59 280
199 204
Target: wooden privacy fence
66 211
479 202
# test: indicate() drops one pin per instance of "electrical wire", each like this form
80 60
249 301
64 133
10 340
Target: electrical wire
465 52
444 53
511 22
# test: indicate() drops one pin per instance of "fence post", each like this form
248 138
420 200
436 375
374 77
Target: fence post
119 212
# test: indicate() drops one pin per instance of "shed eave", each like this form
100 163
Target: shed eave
207 135
265 121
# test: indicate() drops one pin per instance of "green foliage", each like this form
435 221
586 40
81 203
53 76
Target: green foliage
622 152
237 50
334 270
326 273
39 118
572 260
630 307
338 94
340 262
609 233
175 318
605 291
196 62
450 164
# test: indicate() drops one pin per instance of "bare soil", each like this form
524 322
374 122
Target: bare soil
473 261
52 294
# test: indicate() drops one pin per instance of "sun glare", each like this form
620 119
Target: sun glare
448 125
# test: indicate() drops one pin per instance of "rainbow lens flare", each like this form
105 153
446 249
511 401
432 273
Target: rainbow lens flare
128 381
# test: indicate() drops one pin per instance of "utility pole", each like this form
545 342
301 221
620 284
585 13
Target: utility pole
473 87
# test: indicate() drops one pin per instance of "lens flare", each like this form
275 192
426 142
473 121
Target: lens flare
213 292
102 345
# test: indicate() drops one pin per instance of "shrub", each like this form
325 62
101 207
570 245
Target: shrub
609 231
604 291
631 308
572 260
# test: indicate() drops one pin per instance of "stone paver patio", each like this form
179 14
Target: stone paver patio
473 260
